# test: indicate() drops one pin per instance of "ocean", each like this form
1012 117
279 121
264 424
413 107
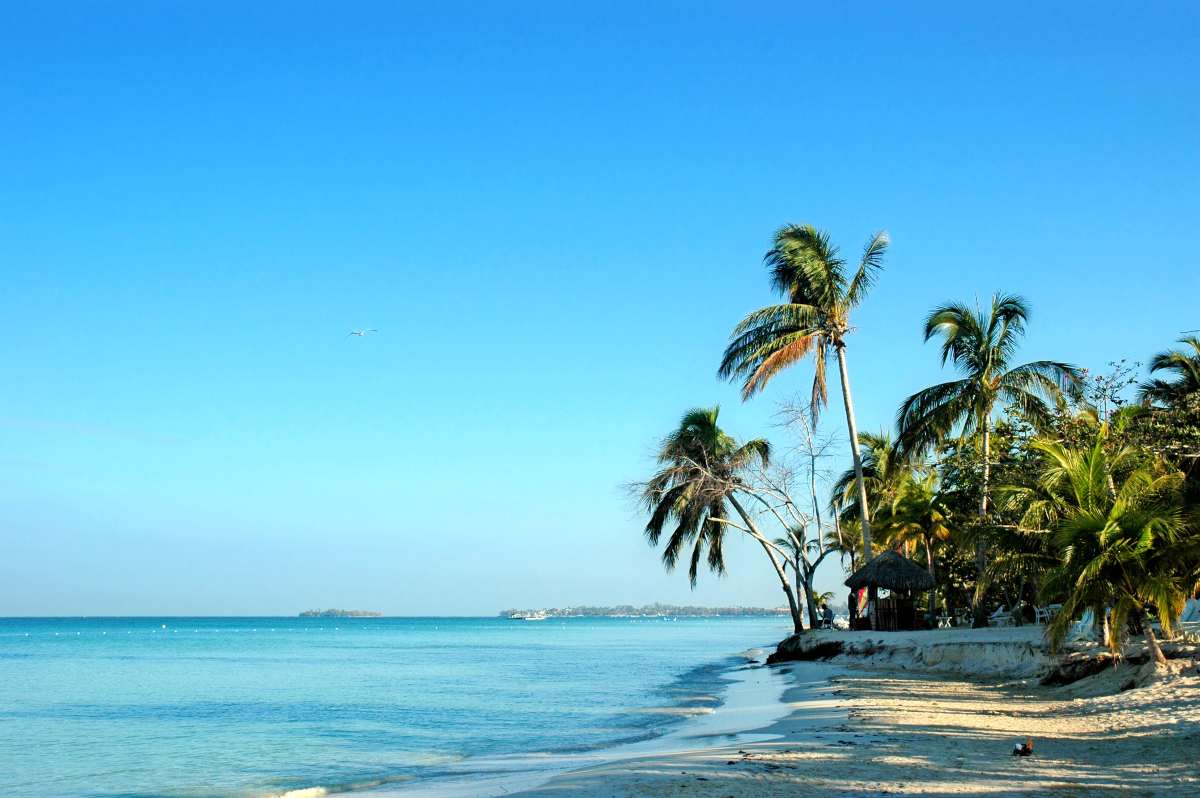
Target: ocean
258 707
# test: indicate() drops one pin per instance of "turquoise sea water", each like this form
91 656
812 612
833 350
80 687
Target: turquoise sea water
250 707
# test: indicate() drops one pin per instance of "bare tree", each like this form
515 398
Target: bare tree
800 470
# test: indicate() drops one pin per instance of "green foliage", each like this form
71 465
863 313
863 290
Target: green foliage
882 473
686 497
919 513
981 346
1184 367
1117 528
820 291
1095 499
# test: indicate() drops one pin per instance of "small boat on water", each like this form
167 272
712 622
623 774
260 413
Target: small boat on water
536 615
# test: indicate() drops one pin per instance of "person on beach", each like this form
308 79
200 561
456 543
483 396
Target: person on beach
826 616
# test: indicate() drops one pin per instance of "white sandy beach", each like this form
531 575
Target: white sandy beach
907 721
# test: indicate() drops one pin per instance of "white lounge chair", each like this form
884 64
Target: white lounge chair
1046 614
1001 617
1084 628
1189 619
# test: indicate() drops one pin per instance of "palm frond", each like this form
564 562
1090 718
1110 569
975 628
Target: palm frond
869 267
929 416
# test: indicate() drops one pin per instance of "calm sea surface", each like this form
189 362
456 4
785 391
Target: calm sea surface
251 707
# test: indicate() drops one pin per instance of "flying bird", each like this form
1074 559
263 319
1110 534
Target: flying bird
361 333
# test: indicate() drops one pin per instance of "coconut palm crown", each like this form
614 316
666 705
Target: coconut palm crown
981 346
700 465
882 472
808 270
1183 364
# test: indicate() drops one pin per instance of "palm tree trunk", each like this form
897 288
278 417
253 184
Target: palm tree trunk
1152 643
932 590
987 467
793 607
1108 636
852 429
980 546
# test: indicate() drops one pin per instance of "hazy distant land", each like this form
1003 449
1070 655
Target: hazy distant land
340 614
645 611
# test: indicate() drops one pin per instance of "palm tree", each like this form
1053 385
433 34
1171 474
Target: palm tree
1118 529
807 270
690 496
981 346
882 471
844 538
919 513
1184 365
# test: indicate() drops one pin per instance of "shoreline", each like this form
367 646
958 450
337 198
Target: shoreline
754 700
906 719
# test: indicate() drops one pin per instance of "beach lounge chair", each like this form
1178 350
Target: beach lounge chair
1084 628
1001 617
1044 615
1189 619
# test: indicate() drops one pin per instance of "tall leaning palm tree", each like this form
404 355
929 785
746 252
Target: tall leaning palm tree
1183 365
689 497
982 347
820 292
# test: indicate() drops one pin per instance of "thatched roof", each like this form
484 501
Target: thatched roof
891 571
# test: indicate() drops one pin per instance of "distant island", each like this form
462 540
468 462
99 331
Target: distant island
340 614
645 611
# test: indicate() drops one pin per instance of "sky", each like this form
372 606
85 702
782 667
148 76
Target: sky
553 213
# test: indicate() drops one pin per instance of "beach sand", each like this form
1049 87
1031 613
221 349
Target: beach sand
921 732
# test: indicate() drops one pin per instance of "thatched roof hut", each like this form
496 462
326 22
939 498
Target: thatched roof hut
891 571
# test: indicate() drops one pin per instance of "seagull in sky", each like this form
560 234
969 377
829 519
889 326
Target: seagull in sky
361 333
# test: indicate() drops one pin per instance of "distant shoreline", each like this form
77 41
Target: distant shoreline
644 611
569 612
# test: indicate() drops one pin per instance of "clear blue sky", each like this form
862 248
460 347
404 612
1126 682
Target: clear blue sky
553 214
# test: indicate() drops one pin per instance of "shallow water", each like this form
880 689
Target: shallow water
250 707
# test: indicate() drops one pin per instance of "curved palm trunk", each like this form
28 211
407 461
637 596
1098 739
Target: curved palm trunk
852 429
1152 644
793 607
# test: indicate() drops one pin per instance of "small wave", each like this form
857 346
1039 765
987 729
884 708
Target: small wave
684 712
337 789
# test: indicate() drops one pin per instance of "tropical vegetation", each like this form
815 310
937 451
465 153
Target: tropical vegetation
1016 484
